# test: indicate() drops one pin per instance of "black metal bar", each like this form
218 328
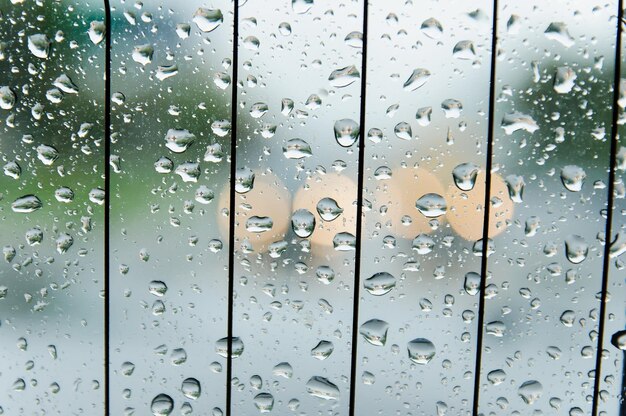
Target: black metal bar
231 212
609 212
107 198
486 207
359 214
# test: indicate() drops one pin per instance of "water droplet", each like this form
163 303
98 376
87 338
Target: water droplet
423 116
34 236
183 30
26 204
178 140
142 54
322 350
423 244
515 121
464 176
558 31
380 283
496 377
343 77
96 31
564 79
47 154
163 165
297 149
530 391
284 29
258 110
65 84
495 328
63 243
325 274
346 132
303 223
576 249
162 405
7 98
301 6
619 340
264 402
283 369
221 347
472 283
432 28
191 388
208 20
178 356
464 50
515 184
39 45
573 177
403 131
344 241
251 43
354 39
257 224
12 169
167 71
452 108
431 205
244 180
421 350
418 78
321 387
189 171
532 224
375 332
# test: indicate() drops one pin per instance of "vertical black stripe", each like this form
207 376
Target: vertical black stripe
359 214
486 207
609 215
107 197
231 211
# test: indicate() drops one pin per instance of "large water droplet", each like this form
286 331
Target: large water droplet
515 184
431 205
421 350
297 149
375 332
464 176
619 340
39 45
26 204
47 154
452 108
530 391
178 140
403 131
573 177
96 31
515 121
558 31
464 50
346 132
380 283
244 180
343 77
576 249
264 402
256 224
301 6
142 54
322 350
208 20
162 405
321 387
432 28
472 283
189 171
303 223
191 388
564 79
7 98
328 209
418 78
344 241
221 347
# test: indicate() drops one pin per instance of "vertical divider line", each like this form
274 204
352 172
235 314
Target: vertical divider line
486 207
359 213
231 209
107 199
609 215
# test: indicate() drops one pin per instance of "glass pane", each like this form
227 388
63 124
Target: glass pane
51 142
552 129
426 123
170 180
613 371
299 101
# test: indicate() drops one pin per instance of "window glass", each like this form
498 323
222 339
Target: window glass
552 141
169 225
51 198
298 129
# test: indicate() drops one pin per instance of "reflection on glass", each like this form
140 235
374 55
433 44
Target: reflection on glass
552 128
170 164
298 132
51 187
426 129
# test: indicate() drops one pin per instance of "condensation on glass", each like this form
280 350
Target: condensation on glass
613 369
170 150
426 136
552 140
298 129
51 199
